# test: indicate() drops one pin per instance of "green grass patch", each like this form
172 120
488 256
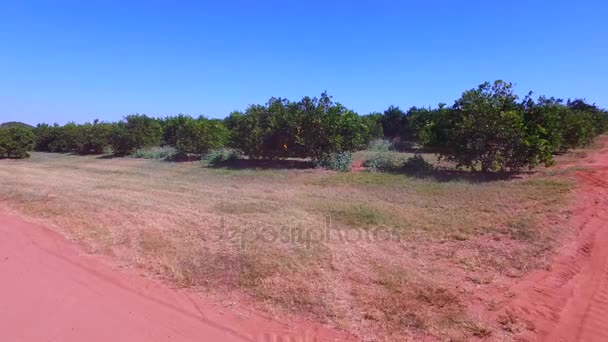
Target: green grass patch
361 178
356 215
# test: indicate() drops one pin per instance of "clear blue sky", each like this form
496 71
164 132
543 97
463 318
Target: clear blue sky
62 61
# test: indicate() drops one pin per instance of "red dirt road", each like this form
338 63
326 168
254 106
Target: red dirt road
52 291
569 302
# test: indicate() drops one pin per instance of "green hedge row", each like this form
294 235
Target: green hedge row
186 134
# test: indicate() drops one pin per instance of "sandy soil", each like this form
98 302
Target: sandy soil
569 301
50 290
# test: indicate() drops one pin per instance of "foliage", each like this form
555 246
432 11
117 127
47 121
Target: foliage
425 124
83 139
380 145
337 161
15 124
94 137
155 152
417 164
380 161
312 127
16 141
373 123
135 132
486 127
394 123
199 136
170 126
219 156
46 137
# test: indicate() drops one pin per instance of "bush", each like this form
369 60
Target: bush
309 128
46 137
486 127
380 145
170 127
95 137
337 161
69 138
373 123
394 123
156 152
219 156
417 165
380 161
15 142
135 132
200 136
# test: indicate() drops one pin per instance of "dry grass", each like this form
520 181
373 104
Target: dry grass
383 255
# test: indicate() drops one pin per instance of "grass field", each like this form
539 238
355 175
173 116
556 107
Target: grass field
385 256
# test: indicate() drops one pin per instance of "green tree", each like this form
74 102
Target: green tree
487 128
16 141
310 127
135 132
394 123
170 127
95 137
373 122
200 136
46 137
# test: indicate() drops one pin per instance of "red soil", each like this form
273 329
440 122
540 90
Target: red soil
569 301
357 166
52 291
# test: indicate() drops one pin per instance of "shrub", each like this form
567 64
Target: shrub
219 156
486 127
380 145
135 132
95 137
309 128
337 161
170 127
46 137
200 136
380 161
373 123
15 142
156 152
417 164
394 123
69 138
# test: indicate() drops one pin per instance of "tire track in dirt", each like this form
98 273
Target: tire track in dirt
569 301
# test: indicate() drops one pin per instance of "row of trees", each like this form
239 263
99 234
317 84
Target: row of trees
491 129
488 127
310 128
186 134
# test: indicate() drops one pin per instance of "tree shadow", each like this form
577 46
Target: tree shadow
109 156
264 164
453 175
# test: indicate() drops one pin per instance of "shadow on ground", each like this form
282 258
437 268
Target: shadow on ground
451 175
265 164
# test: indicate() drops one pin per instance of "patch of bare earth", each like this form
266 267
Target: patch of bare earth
383 256
568 300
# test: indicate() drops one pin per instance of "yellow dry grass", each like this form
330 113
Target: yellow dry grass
385 256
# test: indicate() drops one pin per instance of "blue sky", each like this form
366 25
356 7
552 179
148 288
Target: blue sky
80 60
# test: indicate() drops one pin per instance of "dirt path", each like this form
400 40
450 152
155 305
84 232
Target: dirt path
51 291
569 302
